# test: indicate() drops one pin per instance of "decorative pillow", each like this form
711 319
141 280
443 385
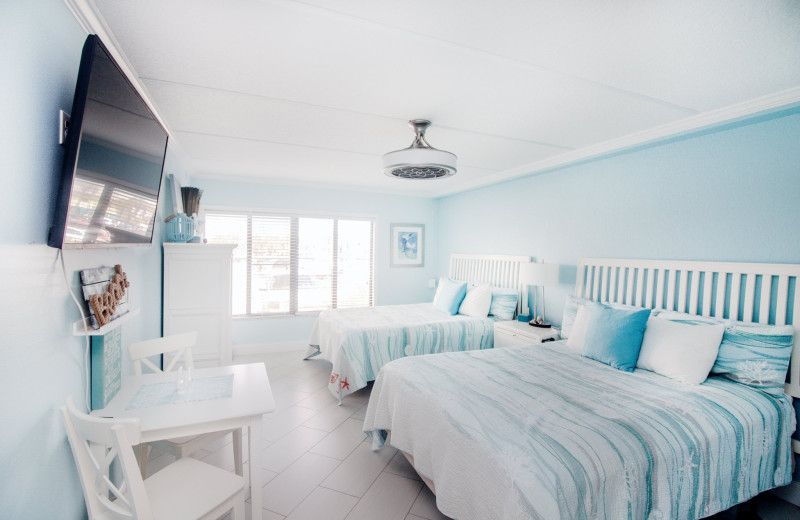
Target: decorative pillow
750 353
574 303
571 307
680 351
578 336
449 295
756 355
504 304
477 301
614 336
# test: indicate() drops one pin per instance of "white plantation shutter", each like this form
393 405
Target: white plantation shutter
270 264
286 264
353 283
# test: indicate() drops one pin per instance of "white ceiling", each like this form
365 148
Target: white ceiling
314 92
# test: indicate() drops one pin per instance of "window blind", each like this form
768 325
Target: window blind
289 264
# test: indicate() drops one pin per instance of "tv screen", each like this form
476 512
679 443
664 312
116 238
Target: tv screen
113 163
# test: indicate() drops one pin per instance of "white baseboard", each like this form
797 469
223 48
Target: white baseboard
255 349
790 493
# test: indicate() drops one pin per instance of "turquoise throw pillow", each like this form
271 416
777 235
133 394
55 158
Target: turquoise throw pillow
504 304
614 336
449 296
750 353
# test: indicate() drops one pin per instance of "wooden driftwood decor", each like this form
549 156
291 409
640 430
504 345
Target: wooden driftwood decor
105 289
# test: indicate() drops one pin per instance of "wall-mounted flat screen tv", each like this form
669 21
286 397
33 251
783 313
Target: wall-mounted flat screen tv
113 162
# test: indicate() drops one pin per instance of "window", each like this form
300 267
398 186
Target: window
289 264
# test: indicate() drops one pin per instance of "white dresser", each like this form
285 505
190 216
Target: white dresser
197 296
515 333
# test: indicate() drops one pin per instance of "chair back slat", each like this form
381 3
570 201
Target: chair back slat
176 348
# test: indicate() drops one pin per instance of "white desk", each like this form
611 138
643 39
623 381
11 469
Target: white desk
250 400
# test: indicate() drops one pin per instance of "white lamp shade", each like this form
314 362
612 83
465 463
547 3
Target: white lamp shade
539 274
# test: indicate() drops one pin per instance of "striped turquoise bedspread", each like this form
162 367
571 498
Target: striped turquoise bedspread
360 341
538 432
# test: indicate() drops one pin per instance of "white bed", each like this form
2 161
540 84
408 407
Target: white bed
358 342
542 432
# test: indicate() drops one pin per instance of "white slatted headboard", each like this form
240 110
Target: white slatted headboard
498 270
766 293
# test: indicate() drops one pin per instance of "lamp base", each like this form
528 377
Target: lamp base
540 325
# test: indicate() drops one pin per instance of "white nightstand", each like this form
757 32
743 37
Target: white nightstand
515 333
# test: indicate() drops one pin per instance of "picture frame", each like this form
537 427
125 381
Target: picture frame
407 245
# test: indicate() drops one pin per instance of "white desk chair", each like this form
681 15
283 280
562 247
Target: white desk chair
186 489
179 346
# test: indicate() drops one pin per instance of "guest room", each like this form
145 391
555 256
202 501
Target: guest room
470 194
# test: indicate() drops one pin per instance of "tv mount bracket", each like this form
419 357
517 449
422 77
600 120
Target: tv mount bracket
63 127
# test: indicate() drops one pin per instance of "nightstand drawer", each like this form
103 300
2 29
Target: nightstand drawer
515 333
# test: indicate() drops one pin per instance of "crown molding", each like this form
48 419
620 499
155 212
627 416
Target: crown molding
783 100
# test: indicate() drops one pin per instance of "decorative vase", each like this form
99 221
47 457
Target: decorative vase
180 228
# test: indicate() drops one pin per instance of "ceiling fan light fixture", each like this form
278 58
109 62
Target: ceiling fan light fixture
420 160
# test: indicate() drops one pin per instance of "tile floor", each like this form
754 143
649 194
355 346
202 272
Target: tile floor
318 465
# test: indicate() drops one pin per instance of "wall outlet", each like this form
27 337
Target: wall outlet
432 283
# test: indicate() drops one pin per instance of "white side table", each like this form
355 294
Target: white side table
515 333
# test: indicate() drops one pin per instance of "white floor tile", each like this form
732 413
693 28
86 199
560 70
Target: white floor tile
425 505
281 454
292 486
389 498
342 441
266 477
312 368
359 470
320 399
360 413
400 466
265 514
279 371
288 398
324 504
275 426
222 458
332 416
312 384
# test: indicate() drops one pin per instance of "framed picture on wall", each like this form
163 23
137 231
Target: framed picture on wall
408 245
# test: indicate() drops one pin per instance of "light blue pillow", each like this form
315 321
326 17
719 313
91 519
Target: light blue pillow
750 353
504 304
614 336
574 303
449 295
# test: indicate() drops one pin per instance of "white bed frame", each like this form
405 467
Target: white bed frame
499 270
738 291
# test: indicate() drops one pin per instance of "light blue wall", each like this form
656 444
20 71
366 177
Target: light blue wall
731 195
41 363
392 285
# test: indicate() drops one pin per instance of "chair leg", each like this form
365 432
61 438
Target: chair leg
237 452
238 507
142 454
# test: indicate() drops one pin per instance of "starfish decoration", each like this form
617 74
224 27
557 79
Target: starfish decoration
345 385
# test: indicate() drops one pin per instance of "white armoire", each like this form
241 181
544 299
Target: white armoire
197 296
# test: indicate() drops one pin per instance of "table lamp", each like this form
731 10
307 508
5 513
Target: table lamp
540 275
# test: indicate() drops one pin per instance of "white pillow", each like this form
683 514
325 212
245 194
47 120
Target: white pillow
578 334
680 351
477 301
